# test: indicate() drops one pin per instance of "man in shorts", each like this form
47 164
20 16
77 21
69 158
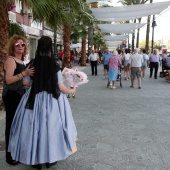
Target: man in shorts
135 61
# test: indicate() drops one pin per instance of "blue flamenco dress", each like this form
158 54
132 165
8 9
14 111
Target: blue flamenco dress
45 134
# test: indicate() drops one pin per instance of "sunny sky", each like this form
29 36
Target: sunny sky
162 30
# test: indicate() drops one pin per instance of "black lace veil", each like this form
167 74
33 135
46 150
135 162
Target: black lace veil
45 78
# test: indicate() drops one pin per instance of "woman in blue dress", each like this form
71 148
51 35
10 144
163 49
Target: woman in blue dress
43 129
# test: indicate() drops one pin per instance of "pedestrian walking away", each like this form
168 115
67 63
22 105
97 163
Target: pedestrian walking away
135 61
113 63
106 57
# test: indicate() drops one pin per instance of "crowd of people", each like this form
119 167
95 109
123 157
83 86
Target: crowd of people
40 128
133 64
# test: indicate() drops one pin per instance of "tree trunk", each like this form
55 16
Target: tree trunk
137 38
147 34
66 43
83 52
55 41
90 39
133 38
4 27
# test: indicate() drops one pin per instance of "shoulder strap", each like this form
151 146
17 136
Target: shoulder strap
7 59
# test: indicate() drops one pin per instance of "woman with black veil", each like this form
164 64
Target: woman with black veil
43 130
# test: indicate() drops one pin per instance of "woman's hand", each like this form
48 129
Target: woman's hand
73 91
29 71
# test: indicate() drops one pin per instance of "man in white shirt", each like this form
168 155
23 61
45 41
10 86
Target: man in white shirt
135 61
93 60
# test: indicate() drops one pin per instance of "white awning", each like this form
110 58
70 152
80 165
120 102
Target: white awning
135 14
113 44
119 28
115 37
129 26
130 14
130 8
124 13
90 1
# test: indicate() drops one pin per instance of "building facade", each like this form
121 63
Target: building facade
23 16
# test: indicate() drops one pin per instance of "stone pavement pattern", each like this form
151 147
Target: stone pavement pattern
118 129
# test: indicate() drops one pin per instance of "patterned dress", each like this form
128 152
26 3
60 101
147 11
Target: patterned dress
114 61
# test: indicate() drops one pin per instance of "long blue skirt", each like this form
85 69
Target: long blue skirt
45 134
113 74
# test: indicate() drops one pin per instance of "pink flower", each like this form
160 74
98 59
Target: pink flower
73 77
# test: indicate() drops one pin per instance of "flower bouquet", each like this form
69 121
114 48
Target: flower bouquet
74 78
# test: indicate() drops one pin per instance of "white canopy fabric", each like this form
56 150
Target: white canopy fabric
115 38
125 13
112 44
130 8
112 48
119 28
129 26
119 19
78 45
129 14
116 31
90 1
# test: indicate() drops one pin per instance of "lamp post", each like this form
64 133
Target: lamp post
153 26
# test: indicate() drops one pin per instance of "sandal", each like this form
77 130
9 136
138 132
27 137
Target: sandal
132 86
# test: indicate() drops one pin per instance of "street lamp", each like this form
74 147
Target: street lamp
153 26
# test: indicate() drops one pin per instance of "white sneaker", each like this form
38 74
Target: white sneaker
114 87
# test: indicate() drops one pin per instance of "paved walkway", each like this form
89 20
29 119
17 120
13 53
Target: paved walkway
119 129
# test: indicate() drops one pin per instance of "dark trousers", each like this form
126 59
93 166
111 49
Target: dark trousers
11 101
93 67
154 65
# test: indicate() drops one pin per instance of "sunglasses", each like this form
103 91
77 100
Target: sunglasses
19 45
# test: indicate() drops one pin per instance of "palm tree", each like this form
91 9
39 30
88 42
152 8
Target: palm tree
4 26
5 6
139 20
130 2
42 10
99 41
81 25
15 28
91 30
